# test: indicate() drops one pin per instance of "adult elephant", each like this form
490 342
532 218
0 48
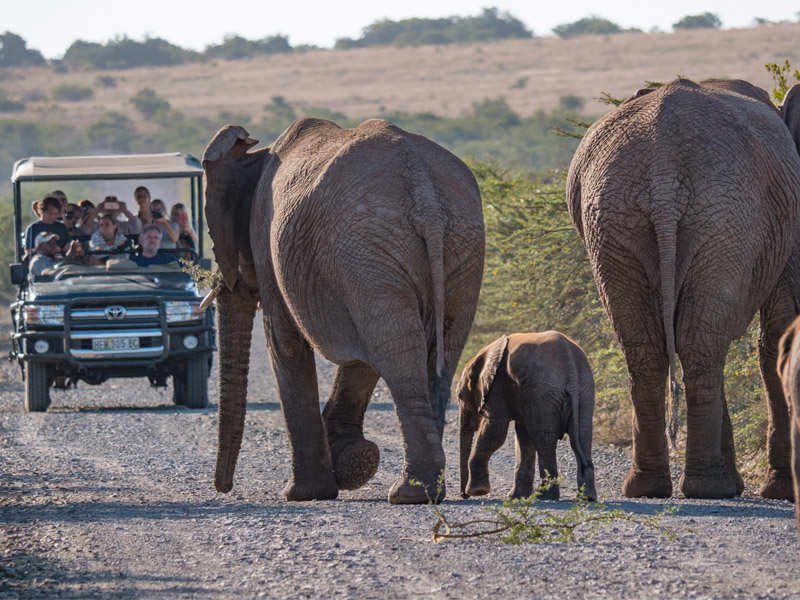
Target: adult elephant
687 199
363 244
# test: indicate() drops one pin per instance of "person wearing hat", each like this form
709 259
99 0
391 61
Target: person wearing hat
48 221
46 254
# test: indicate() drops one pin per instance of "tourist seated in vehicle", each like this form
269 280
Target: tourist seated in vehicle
48 221
107 238
150 241
45 255
71 220
130 225
187 237
158 217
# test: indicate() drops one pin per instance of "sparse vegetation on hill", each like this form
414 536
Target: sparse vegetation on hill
590 25
704 21
234 47
491 24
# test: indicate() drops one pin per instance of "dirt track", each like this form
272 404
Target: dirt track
109 494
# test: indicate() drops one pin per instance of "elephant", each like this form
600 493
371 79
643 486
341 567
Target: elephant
687 198
542 382
367 246
789 371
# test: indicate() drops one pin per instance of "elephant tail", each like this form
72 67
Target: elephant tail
429 222
434 242
666 238
578 388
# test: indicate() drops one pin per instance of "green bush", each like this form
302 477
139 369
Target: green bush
9 104
149 103
704 21
590 25
72 93
115 132
106 81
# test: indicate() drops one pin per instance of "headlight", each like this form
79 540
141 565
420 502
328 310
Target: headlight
183 311
43 314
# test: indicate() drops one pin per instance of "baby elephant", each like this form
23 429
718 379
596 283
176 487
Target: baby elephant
789 372
541 381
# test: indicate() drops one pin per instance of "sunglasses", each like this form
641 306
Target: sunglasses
70 214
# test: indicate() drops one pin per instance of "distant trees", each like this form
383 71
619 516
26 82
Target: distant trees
14 52
590 25
235 46
125 53
706 20
491 24
149 103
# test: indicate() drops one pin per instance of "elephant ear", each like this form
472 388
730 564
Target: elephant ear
231 175
493 355
785 349
790 111
231 140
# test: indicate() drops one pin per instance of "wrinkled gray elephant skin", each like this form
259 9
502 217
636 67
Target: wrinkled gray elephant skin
542 382
687 200
363 244
789 371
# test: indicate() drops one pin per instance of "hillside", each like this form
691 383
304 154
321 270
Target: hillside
531 74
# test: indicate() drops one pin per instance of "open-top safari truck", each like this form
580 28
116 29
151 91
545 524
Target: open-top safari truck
117 319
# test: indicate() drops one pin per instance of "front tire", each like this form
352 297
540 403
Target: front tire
37 387
191 389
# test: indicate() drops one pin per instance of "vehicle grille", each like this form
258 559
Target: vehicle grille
139 322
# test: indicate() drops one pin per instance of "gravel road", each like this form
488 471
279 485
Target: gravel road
110 494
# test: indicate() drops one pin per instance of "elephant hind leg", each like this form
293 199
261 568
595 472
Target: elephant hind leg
710 470
355 459
776 315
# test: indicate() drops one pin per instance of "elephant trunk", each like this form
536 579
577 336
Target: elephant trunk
467 435
236 311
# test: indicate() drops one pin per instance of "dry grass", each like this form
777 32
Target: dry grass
439 79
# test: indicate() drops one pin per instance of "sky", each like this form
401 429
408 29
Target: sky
52 25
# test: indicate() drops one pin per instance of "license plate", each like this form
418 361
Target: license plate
124 343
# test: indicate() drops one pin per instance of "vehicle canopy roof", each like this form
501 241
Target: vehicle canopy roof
128 166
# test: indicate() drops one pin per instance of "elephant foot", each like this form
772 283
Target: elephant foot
777 487
354 462
589 492
520 491
551 492
403 492
479 487
715 482
299 491
641 484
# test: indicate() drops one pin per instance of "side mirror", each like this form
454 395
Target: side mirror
19 271
205 263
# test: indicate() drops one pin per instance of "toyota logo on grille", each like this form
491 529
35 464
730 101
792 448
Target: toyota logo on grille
114 313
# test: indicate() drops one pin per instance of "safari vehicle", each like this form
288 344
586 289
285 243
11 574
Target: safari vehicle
92 323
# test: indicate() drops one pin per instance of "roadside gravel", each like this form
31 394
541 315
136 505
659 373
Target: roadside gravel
110 494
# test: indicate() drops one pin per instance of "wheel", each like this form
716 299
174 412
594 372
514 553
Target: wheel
178 390
191 389
37 385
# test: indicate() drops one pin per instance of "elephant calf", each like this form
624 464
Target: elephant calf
541 381
789 371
